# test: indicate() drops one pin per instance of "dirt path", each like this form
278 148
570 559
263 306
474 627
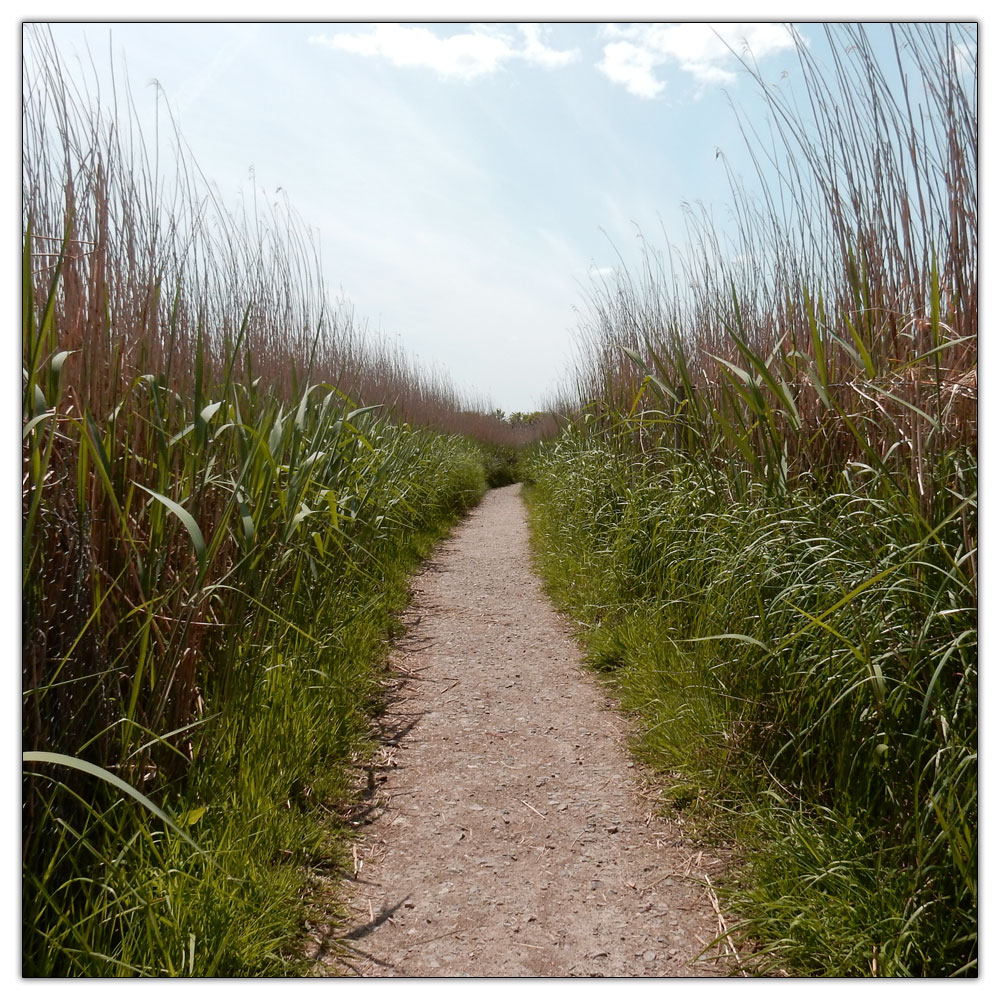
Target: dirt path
509 835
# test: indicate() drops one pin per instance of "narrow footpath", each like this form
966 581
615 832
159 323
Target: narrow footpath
509 833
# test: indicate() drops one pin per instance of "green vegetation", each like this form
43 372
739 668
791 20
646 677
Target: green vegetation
764 516
224 488
502 452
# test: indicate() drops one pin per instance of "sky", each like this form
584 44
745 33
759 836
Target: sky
468 181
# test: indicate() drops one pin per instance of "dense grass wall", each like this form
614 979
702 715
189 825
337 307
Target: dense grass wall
763 510
225 485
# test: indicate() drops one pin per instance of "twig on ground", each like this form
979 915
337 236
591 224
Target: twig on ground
437 937
646 888
726 938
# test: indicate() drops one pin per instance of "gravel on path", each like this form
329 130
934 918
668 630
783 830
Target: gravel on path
509 833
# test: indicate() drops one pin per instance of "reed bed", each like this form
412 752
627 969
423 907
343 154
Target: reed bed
225 483
764 511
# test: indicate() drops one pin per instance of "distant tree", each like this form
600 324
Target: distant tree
519 419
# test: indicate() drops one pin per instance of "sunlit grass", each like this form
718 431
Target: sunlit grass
764 515
225 485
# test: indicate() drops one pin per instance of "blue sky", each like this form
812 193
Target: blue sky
468 180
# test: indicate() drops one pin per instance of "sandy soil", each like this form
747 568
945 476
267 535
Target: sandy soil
508 832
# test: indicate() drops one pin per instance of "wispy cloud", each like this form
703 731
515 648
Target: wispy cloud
634 67
634 54
535 50
465 55
965 57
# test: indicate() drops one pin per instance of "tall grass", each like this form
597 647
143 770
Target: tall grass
225 483
766 510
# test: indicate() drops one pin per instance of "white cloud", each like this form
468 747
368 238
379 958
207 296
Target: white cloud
537 52
706 52
965 57
466 55
632 66
708 74
601 273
